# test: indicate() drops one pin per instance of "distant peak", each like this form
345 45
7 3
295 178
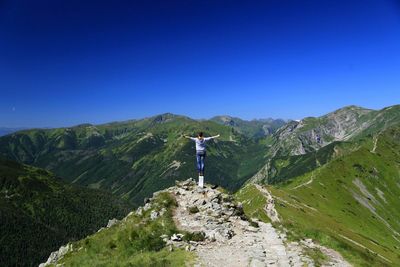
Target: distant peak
168 114
350 108
354 107
164 117
222 117
83 125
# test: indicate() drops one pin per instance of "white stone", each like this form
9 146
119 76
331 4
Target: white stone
112 222
154 215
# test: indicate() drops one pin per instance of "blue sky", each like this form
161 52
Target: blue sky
67 62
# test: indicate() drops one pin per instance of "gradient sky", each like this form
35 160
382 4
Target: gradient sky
67 62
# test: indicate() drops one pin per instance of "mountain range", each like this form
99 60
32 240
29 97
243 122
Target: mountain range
133 159
334 179
256 128
7 130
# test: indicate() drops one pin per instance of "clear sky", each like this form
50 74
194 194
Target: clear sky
66 62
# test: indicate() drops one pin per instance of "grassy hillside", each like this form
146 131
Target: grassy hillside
351 203
283 168
135 241
133 159
39 213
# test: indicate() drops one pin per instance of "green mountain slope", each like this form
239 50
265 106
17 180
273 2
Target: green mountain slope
39 212
351 202
133 159
134 241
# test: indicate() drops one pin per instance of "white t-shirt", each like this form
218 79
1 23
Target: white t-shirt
200 143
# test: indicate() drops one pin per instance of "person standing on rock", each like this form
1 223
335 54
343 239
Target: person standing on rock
201 153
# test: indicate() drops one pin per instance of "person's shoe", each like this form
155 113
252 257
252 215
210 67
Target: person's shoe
201 181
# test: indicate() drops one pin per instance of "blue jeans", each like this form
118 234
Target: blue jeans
200 156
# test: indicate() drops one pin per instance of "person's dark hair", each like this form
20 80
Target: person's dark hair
200 134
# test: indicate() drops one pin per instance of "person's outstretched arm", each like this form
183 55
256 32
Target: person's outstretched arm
211 137
188 137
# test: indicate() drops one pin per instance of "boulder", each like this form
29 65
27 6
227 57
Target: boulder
139 211
177 237
147 206
112 222
154 215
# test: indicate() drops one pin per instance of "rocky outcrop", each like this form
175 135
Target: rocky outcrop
232 239
57 255
112 222
309 134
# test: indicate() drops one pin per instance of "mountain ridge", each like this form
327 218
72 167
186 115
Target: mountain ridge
256 128
121 157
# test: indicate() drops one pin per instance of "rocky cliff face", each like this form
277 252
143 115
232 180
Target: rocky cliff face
310 134
300 146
